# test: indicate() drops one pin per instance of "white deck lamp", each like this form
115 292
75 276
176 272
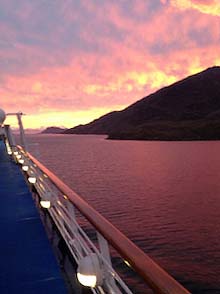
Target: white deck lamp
25 167
89 271
46 200
45 204
32 180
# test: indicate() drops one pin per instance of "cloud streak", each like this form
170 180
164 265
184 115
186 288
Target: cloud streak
211 7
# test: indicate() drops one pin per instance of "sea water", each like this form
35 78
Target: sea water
165 196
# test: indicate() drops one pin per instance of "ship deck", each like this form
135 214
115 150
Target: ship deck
27 261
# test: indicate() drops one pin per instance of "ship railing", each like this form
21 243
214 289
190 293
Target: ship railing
92 256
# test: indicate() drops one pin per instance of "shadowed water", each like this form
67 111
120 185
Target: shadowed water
165 196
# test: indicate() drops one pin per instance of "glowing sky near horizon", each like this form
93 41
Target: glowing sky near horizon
65 63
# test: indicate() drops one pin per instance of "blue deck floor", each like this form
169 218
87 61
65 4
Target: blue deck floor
27 263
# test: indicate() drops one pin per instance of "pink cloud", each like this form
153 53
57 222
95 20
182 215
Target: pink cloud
109 58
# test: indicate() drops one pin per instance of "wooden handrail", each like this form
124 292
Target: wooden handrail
155 277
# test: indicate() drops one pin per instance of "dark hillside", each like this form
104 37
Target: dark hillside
184 110
53 130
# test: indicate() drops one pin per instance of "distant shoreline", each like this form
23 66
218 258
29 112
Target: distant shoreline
115 138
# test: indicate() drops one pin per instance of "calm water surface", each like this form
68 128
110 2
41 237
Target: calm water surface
165 196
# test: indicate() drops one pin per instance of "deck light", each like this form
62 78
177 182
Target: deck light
89 272
25 167
45 204
46 200
32 180
127 263
18 156
16 153
21 161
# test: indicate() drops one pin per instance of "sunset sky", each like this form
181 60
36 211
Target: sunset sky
67 62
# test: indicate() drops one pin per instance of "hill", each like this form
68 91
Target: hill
53 130
186 110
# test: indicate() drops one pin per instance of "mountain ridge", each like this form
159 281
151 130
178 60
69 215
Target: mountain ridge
188 109
53 130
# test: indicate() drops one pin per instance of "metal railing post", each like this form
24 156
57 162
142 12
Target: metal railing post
104 249
22 134
21 129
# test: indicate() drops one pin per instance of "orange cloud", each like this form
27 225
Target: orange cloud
37 87
58 118
45 94
208 6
